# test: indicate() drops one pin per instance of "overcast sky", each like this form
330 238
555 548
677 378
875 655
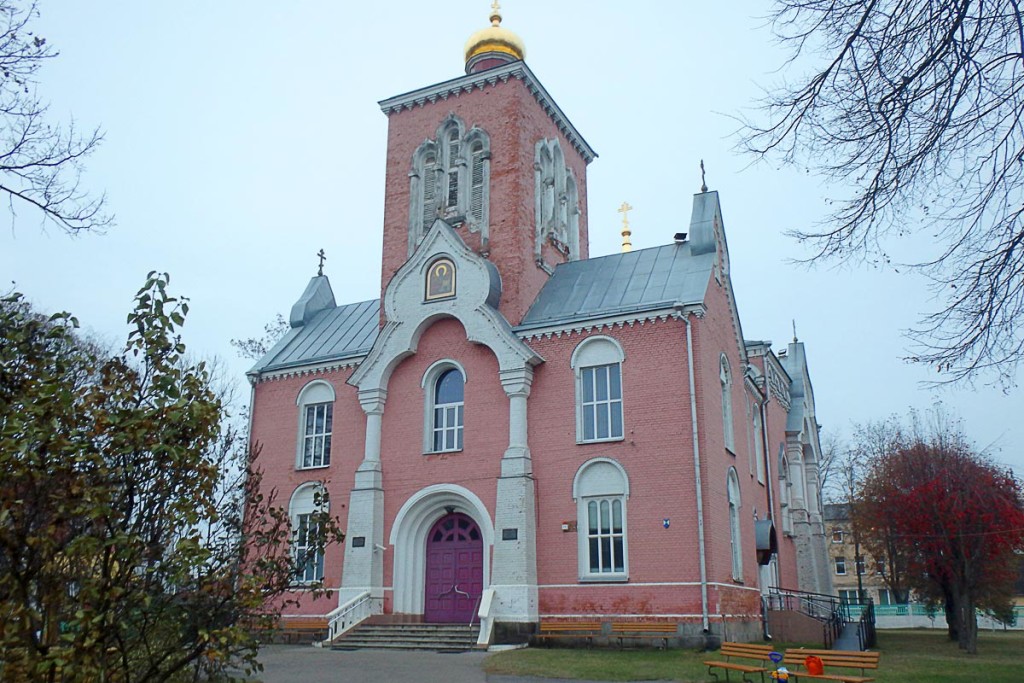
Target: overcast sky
241 137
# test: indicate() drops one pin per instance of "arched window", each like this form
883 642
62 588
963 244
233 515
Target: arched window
597 363
725 376
758 443
735 537
307 505
445 384
601 489
450 179
556 201
316 424
785 492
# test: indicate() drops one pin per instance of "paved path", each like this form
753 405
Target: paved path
306 664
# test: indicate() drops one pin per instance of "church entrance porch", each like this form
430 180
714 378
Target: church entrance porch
454 570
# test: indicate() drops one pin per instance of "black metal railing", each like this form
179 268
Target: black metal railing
834 613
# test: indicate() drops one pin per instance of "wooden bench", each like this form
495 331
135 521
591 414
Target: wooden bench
301 629
553 630
644 630
748 651
843 659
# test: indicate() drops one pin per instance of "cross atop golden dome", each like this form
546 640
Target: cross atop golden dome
493 45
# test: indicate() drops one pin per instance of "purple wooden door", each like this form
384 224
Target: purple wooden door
455 570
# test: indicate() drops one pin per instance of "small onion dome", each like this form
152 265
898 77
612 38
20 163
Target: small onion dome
493 46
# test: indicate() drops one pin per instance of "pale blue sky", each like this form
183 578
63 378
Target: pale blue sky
241 137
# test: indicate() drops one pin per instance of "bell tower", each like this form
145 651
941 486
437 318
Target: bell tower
491 154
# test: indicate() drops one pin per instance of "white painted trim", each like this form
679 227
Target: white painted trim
641 584
311 387
409 533
439 366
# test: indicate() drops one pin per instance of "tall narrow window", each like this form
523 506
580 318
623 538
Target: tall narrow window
605 536
305 511
725 376
476 193
316 425
316 447
759 443
735 536
448 411
601 489
429 191
598 365
453 169
602 403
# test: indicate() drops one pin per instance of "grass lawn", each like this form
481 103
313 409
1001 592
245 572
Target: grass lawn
917 656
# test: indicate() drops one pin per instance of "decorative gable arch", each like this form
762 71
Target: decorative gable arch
474 305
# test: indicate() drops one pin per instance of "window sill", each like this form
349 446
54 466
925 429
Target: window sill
606 578
584 442
299 468
454 450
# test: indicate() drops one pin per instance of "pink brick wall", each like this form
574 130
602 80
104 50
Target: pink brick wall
275 432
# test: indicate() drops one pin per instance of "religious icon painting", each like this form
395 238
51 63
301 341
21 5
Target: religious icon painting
441 279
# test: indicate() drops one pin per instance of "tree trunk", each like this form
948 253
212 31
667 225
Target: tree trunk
952 618
968 622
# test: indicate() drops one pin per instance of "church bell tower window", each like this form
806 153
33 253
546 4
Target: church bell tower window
450 179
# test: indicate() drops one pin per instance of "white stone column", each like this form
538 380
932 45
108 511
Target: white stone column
364 540
514 574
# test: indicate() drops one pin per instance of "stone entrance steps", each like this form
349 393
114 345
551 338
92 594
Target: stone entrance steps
436 637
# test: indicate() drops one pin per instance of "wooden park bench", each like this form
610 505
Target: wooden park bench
301 629
747 651
644 630
832 659
551 629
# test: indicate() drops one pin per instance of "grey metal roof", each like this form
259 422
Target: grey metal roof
333 334
618 284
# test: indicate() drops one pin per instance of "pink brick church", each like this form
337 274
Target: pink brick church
517 431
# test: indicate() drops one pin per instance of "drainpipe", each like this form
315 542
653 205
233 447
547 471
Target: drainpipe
766 453
705 622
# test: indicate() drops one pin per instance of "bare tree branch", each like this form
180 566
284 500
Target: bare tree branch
917 106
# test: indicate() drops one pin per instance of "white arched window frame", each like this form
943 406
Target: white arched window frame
597 365
735 537
478 152
725 377
601 490
307 503
453 188
785 492
316 424
759 443
444 419
556 200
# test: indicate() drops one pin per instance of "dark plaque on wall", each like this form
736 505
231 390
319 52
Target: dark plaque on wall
509 534
358 541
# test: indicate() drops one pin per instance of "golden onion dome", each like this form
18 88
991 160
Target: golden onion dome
494 38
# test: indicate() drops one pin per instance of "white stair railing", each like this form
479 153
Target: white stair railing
348 615
486 620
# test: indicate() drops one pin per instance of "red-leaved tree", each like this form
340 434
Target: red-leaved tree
957 517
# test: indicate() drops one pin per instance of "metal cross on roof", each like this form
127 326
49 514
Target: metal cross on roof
703 182
323 257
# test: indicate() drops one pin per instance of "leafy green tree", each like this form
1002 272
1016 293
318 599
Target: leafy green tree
135 544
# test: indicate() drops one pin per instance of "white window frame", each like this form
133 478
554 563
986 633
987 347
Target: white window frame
429 384
840 563
599 354
304 504
313 395
735 531
759 444
837 532
596 481
725 378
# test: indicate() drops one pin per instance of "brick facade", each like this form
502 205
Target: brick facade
521 456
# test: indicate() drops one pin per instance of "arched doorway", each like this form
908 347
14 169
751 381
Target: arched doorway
454 573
